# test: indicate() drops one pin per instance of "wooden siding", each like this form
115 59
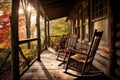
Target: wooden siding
102 61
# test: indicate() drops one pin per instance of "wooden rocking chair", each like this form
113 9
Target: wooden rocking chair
70 44
61 43
75 62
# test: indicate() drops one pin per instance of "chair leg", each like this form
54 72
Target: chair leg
64 56
57 56
63 61
66 67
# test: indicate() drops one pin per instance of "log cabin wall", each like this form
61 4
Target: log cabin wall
95 14
100 21
115 19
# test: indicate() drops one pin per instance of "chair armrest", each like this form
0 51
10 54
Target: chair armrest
83 48
77 51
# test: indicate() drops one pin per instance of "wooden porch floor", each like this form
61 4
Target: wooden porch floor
48 69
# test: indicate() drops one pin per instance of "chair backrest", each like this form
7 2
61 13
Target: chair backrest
71 42
94 43
92 48
63 41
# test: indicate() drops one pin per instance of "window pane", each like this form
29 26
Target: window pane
102 26
86 32
99 8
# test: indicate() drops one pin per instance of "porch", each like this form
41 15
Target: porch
48 69
84 16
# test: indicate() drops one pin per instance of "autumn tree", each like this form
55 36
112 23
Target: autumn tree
59 27
27 12
5 23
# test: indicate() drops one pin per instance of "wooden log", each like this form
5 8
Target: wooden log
118 61
118 25
118 52
117 44
14 40
38 34
102 63
102 60
105 49
102 67
117 71
103 54
118 35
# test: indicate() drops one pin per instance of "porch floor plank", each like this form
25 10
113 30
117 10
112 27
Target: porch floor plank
47 69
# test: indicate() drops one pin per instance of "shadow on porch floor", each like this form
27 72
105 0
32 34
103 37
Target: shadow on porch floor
48 69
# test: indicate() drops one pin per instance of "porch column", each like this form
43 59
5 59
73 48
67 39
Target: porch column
78 24
82 27
72 21
45 35
38 36
90 20
48 34
71 29
15 40
74 25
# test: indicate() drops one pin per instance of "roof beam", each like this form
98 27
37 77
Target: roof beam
37 5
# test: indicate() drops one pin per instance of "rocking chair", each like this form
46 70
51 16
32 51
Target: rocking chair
61 43
70 44
83 61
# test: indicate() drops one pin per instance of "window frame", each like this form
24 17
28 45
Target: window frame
96 9
104 16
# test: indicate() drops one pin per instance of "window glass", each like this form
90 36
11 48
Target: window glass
85 24
99 8
102 26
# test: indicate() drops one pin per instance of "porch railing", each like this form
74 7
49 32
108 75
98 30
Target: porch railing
54 41
26 56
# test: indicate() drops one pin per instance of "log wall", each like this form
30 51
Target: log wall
102 61
115 66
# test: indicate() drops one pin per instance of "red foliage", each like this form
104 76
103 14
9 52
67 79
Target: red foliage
5 30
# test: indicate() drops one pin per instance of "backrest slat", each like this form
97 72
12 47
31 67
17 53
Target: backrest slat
94 43
72 41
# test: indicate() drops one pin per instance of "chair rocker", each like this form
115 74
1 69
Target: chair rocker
82 62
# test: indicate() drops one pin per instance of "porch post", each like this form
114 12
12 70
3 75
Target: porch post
45 35
70 26
15 40
74 25
48 34
78 24
90 20
38 35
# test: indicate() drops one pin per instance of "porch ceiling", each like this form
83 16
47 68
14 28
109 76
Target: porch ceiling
57 8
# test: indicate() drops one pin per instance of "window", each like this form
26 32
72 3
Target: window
102 25
99 17
85 23
99 8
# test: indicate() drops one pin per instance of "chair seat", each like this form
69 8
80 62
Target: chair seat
79 57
